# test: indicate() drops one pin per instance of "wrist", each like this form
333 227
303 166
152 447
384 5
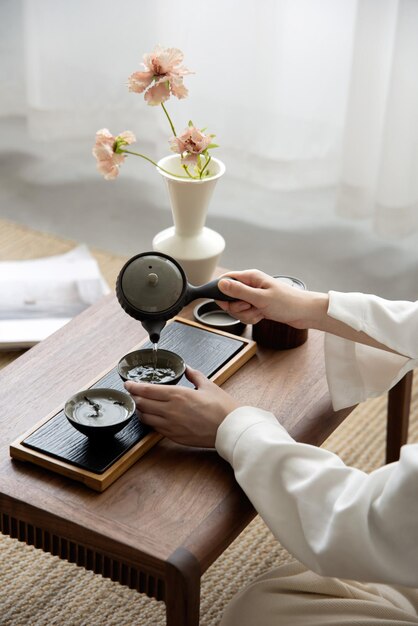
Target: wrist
315 310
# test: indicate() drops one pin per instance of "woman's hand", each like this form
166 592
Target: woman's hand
187 416
262 296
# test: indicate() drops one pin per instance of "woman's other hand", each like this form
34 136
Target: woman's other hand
187 416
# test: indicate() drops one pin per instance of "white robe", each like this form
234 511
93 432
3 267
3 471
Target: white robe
338 520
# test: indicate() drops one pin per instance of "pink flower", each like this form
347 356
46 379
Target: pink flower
162 67
106 151
190 144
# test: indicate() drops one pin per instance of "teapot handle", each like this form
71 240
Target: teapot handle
209 290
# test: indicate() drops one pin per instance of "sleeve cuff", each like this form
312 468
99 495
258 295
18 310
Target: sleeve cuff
348 308
356 371
237 423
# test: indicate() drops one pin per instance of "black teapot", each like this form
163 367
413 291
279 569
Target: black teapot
152 287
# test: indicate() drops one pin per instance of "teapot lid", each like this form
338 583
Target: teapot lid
152 282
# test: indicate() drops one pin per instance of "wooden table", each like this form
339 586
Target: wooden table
164 522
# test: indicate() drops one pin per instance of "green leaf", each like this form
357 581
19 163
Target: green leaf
190 124
212 145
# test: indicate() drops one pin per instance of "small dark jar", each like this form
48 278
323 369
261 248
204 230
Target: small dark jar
276 335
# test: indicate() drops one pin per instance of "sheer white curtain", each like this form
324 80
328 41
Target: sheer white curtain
379 175
314 102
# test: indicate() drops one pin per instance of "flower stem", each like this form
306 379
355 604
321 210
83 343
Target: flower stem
205 166
169 119
154 163
186 169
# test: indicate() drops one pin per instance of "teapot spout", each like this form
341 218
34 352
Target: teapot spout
153 328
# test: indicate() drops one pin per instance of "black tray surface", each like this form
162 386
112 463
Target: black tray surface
201 349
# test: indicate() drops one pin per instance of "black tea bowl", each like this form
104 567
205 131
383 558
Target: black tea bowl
152 366
99 412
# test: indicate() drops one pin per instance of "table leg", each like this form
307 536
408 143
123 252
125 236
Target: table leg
182 592
399 400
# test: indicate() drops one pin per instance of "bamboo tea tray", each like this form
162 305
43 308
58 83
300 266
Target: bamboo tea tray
54 444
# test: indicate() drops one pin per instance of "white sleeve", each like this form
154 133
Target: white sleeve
336 519
356 372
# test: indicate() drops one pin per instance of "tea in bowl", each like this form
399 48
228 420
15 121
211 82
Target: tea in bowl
161 367
99 412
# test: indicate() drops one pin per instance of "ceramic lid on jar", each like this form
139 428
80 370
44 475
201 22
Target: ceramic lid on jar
152 283
290 280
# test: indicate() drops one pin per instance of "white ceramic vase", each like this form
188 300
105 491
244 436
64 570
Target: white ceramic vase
196 247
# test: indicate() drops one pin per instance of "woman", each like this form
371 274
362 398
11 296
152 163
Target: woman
336 520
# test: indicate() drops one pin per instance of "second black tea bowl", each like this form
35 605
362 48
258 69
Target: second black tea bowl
153 366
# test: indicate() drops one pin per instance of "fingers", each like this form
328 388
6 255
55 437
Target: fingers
234 308
153 408
239 306
148 390
155 421
164 393
247 292
252 316
253 293
198 379
160 424
252 278
161 400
